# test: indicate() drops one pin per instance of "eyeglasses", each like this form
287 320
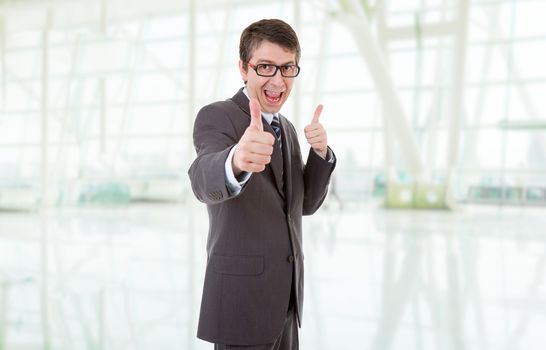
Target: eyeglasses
270 70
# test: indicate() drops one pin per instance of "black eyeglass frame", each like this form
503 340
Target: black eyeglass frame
277 68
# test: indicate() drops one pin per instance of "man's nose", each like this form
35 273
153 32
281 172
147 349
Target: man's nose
277 78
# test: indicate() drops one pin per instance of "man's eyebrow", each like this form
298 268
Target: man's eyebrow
271 62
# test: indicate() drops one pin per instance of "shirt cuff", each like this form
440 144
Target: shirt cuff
330 158
233 184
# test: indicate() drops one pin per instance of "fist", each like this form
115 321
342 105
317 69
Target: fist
255 147
316 134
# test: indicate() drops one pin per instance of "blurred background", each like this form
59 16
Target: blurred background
432 236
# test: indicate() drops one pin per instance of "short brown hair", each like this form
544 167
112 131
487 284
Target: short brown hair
272 30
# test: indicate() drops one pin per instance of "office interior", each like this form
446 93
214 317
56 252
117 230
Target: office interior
432 236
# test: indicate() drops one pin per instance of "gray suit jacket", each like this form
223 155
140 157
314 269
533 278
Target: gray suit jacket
254 243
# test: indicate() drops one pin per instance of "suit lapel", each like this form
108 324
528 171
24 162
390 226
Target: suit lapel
276 160
287 140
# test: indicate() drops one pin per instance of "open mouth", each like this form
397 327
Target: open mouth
272 96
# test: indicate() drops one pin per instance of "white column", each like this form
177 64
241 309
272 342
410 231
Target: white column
44 189
390 171
456 117
102 84
3 65
192 209
297 117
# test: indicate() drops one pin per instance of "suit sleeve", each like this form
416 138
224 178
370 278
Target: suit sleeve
316 177
213 137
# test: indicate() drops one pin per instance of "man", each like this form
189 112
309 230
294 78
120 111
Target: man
250 173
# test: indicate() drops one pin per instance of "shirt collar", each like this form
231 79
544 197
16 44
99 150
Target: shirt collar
268 116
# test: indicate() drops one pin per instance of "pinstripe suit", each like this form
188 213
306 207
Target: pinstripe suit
255 258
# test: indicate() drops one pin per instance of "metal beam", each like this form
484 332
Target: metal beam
428 30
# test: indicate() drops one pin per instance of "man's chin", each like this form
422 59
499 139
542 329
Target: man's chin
272 107
272 110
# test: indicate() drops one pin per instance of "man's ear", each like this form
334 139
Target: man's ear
243 70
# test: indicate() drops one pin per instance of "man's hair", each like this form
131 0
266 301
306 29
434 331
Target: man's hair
272 30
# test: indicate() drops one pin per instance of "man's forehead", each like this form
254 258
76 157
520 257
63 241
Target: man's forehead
268 43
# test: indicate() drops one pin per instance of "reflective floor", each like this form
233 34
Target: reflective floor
130 278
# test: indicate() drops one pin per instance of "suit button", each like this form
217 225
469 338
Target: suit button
290 258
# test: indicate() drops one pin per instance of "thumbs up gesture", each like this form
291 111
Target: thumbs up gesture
255 147
316 134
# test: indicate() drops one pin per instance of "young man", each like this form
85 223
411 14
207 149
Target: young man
250 173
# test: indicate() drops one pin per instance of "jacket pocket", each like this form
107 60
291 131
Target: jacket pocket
237 264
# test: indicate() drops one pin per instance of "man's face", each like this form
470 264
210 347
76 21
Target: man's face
271 92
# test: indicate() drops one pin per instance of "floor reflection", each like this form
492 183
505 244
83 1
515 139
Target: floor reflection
131 278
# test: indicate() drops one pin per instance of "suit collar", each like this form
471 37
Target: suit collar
241 100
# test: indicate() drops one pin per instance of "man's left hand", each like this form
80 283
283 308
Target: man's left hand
316 134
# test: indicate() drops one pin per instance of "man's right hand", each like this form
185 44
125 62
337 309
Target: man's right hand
255 147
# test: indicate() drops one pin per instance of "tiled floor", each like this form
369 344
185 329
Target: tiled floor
130 278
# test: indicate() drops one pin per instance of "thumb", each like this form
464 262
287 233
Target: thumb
316 117
255 114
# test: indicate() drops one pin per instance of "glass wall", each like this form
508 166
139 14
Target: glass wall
98 98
